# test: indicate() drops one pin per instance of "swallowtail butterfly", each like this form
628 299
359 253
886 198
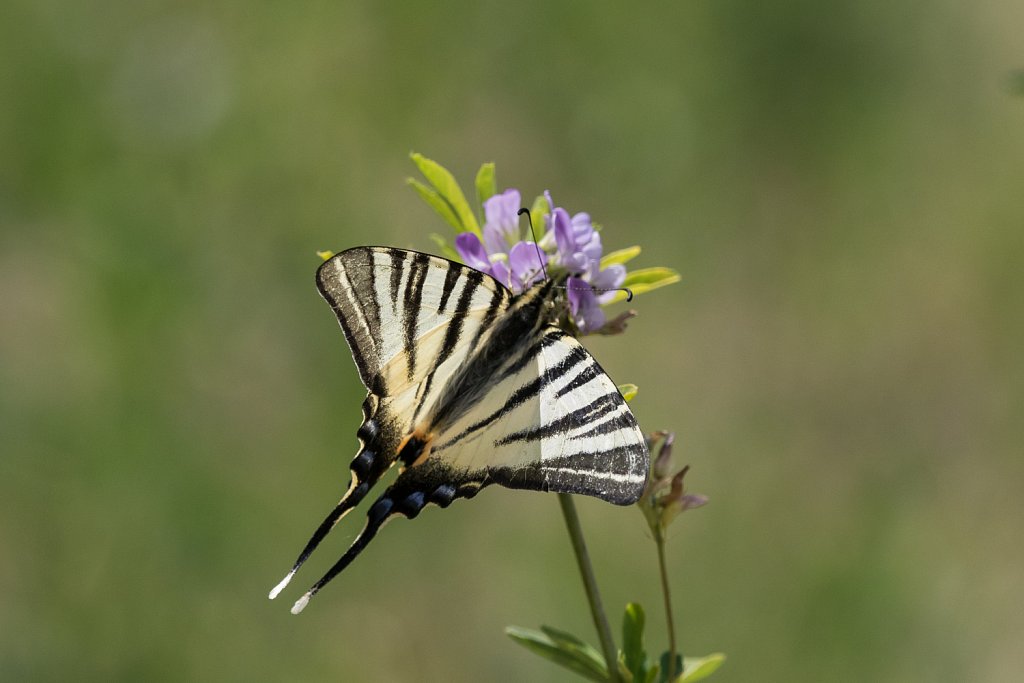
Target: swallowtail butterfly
468 385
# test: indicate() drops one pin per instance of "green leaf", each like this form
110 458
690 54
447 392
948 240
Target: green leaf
443 209
448 190
565 650
325 255
646 279
628 391
571 642
652 277
538 212
620 256
446 249
633 641
699 668
486 184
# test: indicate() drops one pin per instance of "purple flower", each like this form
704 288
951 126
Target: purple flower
518 270
501 229
579 245
583 305
586 296
576 249
500 272
522 267
472 251
609 279
524 259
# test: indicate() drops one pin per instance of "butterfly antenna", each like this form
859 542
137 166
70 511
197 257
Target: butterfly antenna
627 290
351 498
540 254
379 513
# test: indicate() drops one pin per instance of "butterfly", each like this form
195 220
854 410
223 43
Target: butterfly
468 385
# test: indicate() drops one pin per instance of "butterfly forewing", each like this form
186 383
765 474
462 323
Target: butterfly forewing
557 424
404 313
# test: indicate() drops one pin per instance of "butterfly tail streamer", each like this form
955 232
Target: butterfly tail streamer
407 497
380 512
348 502
367 468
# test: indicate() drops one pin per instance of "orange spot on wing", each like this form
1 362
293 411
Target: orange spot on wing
426 440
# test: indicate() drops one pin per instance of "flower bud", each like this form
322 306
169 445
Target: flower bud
663 461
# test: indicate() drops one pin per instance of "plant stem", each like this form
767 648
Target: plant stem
660 542
579 546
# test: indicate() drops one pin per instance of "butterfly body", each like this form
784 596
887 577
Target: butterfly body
468 385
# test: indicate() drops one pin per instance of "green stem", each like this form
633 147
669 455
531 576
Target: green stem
579 546
660 542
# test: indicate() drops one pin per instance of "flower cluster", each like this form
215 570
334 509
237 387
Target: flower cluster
570 246
517 264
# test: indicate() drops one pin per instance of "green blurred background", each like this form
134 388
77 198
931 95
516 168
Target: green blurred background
840 186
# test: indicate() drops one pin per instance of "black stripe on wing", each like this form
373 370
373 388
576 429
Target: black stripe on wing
397 261
472 281
532 352
360 277
600 406
615 474
623 420
527 391
492 313
411 308
589 373
450 278
362 365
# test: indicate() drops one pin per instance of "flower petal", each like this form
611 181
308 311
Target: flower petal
570 256
502 224
586 311
608 280
472 251
582 228
590 252
501 273
525 261
562 226
494 240
503 209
